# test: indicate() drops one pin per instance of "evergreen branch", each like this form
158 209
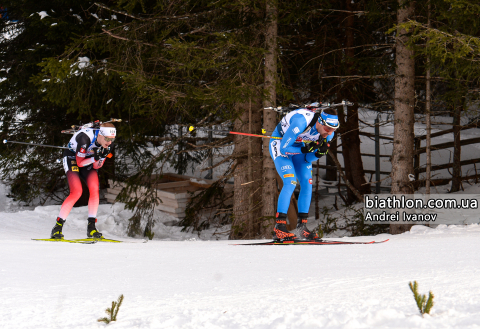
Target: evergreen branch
383 45
112 312
156 18
360 76
429 305
126 39
424 305
342 11
218 164
101 5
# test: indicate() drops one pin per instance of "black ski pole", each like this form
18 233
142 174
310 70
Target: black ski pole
31 144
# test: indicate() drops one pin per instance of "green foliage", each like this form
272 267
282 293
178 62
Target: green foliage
212 198
452 44
113 311
25 113
424 305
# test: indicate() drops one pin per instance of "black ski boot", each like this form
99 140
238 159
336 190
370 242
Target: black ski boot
57 229
92 230
303 233
281 232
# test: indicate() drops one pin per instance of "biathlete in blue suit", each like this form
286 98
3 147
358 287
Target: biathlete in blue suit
305 138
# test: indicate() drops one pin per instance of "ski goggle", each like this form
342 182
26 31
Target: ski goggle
109 139
329 120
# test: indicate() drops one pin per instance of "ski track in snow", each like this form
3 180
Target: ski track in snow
213 284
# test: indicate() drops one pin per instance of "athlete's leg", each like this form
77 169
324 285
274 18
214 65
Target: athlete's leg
304 174
286 171
91 178
75 186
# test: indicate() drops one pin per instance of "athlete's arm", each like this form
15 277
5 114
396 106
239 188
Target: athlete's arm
298 124
100 154
322 150
83 142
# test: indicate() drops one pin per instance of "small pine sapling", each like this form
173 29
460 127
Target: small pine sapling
424 305
112 312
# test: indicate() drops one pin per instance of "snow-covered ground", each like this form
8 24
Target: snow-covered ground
190 280
214 284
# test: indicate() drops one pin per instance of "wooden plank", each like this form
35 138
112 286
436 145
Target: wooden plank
365 170
196 184
170 209
164 186
174 203
447 131
373 135
114 190
448 165
448 145
182 189
165 194
370 155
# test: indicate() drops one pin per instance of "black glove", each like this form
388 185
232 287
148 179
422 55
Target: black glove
322 149
309 147
100 153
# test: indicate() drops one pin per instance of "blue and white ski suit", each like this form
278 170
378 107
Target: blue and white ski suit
290 162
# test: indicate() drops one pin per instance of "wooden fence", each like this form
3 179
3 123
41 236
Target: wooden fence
417 152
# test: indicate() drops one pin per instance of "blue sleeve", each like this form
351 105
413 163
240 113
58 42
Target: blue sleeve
298 124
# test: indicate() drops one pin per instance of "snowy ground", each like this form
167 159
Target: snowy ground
183 280
213 284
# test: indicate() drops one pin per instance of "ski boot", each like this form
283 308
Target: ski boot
92 230
303 233
57 229
280 229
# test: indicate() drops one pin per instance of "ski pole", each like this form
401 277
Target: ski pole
31 144
191 128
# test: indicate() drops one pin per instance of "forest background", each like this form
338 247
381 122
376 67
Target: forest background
162 66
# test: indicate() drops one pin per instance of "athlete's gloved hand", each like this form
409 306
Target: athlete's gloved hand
100 153
309 147
322 149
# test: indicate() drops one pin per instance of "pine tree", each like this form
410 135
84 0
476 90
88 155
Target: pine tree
35 30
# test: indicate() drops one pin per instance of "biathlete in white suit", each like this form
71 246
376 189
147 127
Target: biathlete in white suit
305 138
87 151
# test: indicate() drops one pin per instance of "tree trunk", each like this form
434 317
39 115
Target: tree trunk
457 148
428 106
402 154
269 118
350 129
248 174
